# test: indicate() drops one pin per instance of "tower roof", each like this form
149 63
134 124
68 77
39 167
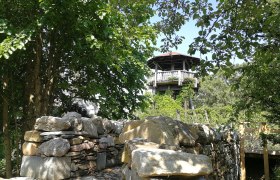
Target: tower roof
165 60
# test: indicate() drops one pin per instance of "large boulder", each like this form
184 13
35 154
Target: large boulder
50 123
153 130
161 130
55 147
161 162
48 168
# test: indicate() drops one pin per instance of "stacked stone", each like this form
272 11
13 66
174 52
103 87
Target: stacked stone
166 141
71 146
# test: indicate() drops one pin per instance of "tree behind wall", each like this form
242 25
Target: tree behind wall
67 49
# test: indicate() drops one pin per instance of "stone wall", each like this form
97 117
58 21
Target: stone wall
165 140
74 146
71 146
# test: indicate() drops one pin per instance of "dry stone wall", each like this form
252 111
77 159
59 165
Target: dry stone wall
72 146
153 146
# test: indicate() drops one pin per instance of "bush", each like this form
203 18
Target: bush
2 168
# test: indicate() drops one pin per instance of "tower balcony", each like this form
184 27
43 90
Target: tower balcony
173 77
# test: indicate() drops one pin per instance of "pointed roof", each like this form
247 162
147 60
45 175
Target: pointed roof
165 60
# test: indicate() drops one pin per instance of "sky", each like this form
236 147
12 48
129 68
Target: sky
189 31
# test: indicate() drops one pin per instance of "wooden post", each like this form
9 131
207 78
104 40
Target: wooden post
179 78
156 71
184 65
265 153
242 152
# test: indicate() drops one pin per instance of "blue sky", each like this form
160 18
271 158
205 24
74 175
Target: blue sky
189 31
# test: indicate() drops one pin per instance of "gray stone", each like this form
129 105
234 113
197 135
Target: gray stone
101 161
89 127
72 114
131 174
118 126
20 178
160 162
48 168
50 123
108 126
109 140
57 133
97 121
75 120
55 147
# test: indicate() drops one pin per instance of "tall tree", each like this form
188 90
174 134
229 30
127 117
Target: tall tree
242 30
94 50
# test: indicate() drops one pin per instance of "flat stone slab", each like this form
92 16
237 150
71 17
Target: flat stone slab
46 168
161 162
50 123
56 133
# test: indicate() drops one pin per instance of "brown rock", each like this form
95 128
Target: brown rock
30 148
80 147
33 136
133 145
153 130
131 125
75 141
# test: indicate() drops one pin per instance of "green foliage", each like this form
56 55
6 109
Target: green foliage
89 48
162 105
228 34
276 172
2 168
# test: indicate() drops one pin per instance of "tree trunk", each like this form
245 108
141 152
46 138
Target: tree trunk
37 77
7 143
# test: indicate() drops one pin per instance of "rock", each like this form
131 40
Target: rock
206 135
20 178
57 133
99 125
76 141
33 136
48 168
131 174
89 127
55 147
134 144
109 140
72 114
101 161
153 130
30 148
74 119
160 162
73 154
132 125
83 146
50 123
186 135
108 126
118 126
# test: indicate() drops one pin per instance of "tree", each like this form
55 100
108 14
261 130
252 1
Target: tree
61 50
244 30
